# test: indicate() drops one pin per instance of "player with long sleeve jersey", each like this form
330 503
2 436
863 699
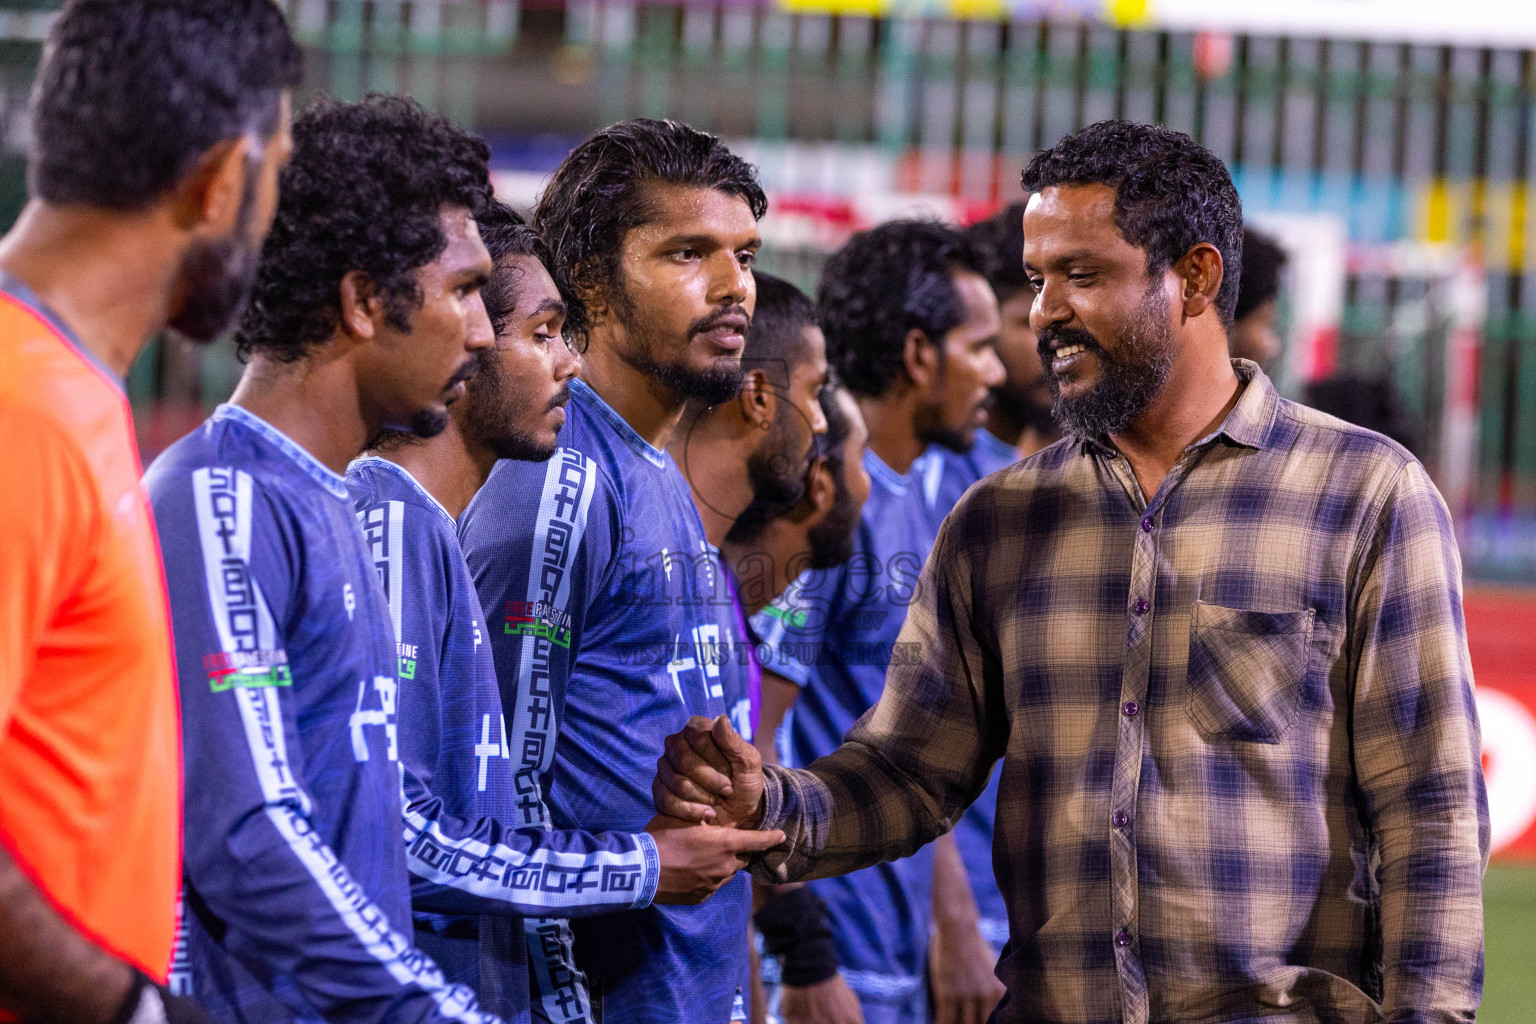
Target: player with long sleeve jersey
474 872
610 623
298 907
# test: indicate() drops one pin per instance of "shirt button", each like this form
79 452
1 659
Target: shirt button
1130 708
1121 819
1146 525
1122 938
1141 606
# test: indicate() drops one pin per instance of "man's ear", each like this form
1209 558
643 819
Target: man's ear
1200 273
920 358
758 400
821 491
361 305
206 201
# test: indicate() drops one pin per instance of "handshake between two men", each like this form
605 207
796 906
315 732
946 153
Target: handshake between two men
708 792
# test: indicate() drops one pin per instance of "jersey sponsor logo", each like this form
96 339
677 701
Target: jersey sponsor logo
794 618
229 669
518 625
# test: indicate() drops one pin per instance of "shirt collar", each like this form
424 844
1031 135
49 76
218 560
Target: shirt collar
375 462
18 290
620 425
1251 422
333 482
884 475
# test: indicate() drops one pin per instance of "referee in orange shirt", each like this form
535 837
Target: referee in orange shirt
158 129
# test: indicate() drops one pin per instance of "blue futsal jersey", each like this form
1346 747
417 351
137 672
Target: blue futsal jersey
947 476
833 633
296 888
473 871
610 623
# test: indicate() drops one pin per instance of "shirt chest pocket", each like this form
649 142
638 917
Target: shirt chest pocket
1246 671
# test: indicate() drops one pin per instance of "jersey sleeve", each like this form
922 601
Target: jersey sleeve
45 534
460 864
254 854
541 540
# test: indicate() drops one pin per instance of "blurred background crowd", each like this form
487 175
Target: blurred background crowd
1386 147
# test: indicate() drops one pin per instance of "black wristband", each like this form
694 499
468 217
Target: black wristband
795 929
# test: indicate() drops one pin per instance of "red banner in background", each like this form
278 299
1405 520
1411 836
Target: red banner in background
1501 631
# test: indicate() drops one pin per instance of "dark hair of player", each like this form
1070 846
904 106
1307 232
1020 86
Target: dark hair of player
880 285
1263 259
999 245
364 191
599 194
132 93
505 233
1171 193
779 320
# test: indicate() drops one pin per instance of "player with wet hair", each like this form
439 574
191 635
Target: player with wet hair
609 622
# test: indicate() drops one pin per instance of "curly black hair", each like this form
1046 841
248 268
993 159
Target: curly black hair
132 93
505 233
598 195
999 244
365 191
1171 193
882 284
1263 259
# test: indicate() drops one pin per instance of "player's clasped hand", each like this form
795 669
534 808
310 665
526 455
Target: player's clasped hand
698 859
708 773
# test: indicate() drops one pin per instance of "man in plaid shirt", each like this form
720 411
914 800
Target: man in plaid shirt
1216 639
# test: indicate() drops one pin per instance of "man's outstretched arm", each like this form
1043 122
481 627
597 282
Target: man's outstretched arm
908 769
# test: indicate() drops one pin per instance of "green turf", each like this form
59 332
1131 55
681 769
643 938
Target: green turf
1509 912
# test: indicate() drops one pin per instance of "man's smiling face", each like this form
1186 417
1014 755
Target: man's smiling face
1104 323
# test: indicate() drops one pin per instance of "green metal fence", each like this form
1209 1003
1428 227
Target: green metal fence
1403 142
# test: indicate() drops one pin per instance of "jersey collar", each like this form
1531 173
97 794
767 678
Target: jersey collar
375 462
619 425
884 475
19 292
333 482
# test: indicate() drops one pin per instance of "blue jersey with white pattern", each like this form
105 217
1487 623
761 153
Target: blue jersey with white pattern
834 633
297 894
610 624
465 852
950 475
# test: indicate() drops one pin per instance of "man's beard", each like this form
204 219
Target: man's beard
931 428
831 539
720 382
490 420
218 276
777 479
1128 382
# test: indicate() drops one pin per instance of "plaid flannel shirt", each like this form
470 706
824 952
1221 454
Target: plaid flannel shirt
1241 774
